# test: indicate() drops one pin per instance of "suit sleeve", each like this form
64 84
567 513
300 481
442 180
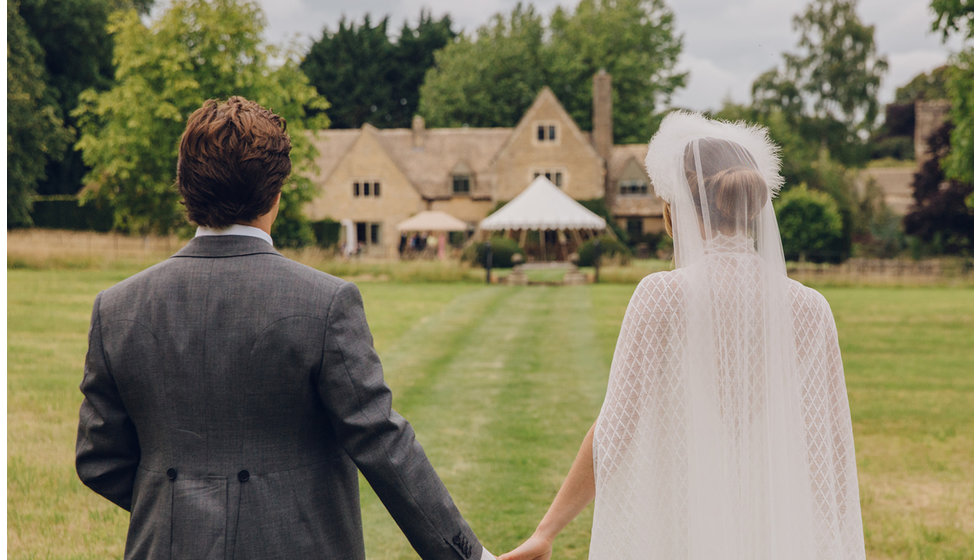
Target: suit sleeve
107 450
380 442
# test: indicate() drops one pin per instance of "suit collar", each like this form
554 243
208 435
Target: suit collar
218 246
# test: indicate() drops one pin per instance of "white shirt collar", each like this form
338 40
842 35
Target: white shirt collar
235 229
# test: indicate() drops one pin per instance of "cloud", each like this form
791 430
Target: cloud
708 84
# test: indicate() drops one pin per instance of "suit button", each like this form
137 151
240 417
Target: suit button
243 476
172 473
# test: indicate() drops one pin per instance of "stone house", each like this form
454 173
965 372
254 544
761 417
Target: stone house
379 178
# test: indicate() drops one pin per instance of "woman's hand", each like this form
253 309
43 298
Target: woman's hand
535 548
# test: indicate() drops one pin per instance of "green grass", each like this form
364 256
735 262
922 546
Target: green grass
501 384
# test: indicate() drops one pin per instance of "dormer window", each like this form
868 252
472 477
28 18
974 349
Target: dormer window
633 187
461 184
546 132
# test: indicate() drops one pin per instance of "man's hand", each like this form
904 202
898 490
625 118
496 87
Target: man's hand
535 548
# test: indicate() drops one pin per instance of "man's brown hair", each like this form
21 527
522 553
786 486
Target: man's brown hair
233 160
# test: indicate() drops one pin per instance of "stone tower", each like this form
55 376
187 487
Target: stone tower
929 116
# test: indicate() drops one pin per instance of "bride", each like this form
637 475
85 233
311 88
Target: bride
725 432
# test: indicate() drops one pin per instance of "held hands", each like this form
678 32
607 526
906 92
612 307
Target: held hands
535 548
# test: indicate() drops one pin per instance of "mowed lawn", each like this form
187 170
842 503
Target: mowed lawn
501 384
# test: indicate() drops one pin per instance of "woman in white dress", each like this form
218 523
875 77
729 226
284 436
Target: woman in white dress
725 432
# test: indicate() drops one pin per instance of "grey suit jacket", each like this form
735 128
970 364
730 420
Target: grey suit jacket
230 397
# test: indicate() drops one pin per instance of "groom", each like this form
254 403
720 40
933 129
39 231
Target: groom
231 395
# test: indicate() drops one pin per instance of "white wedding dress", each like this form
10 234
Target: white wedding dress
725 431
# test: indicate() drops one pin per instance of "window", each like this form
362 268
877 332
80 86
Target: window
367 188
634 228
368 233
556 176
547 132
633 186
461 184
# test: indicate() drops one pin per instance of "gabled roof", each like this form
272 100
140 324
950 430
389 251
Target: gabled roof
426 158
542 205
546 96
621 156
332 146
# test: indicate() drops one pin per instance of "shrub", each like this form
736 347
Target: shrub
611 247
64 212
895 147
809 224
327 232
598 206
502 248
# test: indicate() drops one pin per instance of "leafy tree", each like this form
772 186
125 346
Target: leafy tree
830 88
958 164
369 78
35 133
924 86
953 17
351 67
490 79
194 51
77 55
414 54
940 216
809 224
636 42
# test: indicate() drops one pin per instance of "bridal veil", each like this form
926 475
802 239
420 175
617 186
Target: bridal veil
725 432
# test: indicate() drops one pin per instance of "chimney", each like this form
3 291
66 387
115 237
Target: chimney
602 133
418 131
602 126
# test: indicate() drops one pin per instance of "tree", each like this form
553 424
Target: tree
194 51
636 42
940 216
489 79
369 78
415 53
953 17
35 133
77 55
492 78
830 88
809 225
923 87
351 67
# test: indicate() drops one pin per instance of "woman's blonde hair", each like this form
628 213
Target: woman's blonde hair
734 188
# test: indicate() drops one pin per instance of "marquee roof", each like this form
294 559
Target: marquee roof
543 206
432 220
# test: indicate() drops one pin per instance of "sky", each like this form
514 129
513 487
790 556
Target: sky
726 44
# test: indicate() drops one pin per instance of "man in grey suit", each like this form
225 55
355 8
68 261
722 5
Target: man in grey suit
231 394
